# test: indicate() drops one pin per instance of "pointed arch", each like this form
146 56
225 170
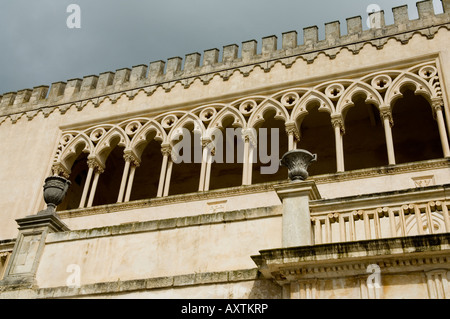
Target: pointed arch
372 96
300 110
79 144
140 139
225 113
419 85
187 119
115 136
270 104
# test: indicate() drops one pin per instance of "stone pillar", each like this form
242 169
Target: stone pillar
24 261
339 130
134 163
296 223
97 169
165 150
33 231
249 137
205 170
168 176
386 118
126 169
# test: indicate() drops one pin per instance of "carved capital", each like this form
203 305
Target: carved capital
291 128
386 113
437 104
249 135
338 121
166 150
128 157
59 170
94 164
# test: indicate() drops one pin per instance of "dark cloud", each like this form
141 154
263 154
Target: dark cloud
37 48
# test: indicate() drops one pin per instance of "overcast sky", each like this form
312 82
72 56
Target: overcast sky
37 47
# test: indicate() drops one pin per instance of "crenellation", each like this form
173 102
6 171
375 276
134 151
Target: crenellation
173 66
138 72
310 36
269 45
73 86
289 40
156 70
121 76
446 6
89 83
171 69
354 25
210 57
400 15
425 9
332 32
23 96
192 61
230 53
8 99
39 93
56 90
249 50
377 20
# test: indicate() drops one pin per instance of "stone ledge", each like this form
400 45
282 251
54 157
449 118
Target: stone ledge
173 199
343 257
180 281
166 224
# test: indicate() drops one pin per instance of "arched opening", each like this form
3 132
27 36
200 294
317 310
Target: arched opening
317 137
415 132
109 181
77 179
272 133
230 150
364 139
146 178
185 175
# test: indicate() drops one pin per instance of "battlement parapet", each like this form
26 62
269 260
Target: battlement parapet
166 74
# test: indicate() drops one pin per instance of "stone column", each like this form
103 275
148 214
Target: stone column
206 162
168 175
293 135
126 169
98 169
249 137
166 151
296 223
339 130
87 183
437 105
388 122
134 163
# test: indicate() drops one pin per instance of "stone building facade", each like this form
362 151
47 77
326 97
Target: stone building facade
371 221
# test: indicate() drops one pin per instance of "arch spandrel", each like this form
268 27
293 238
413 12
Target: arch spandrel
257 117
312 96
81 143
372 96
421 87
140 138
